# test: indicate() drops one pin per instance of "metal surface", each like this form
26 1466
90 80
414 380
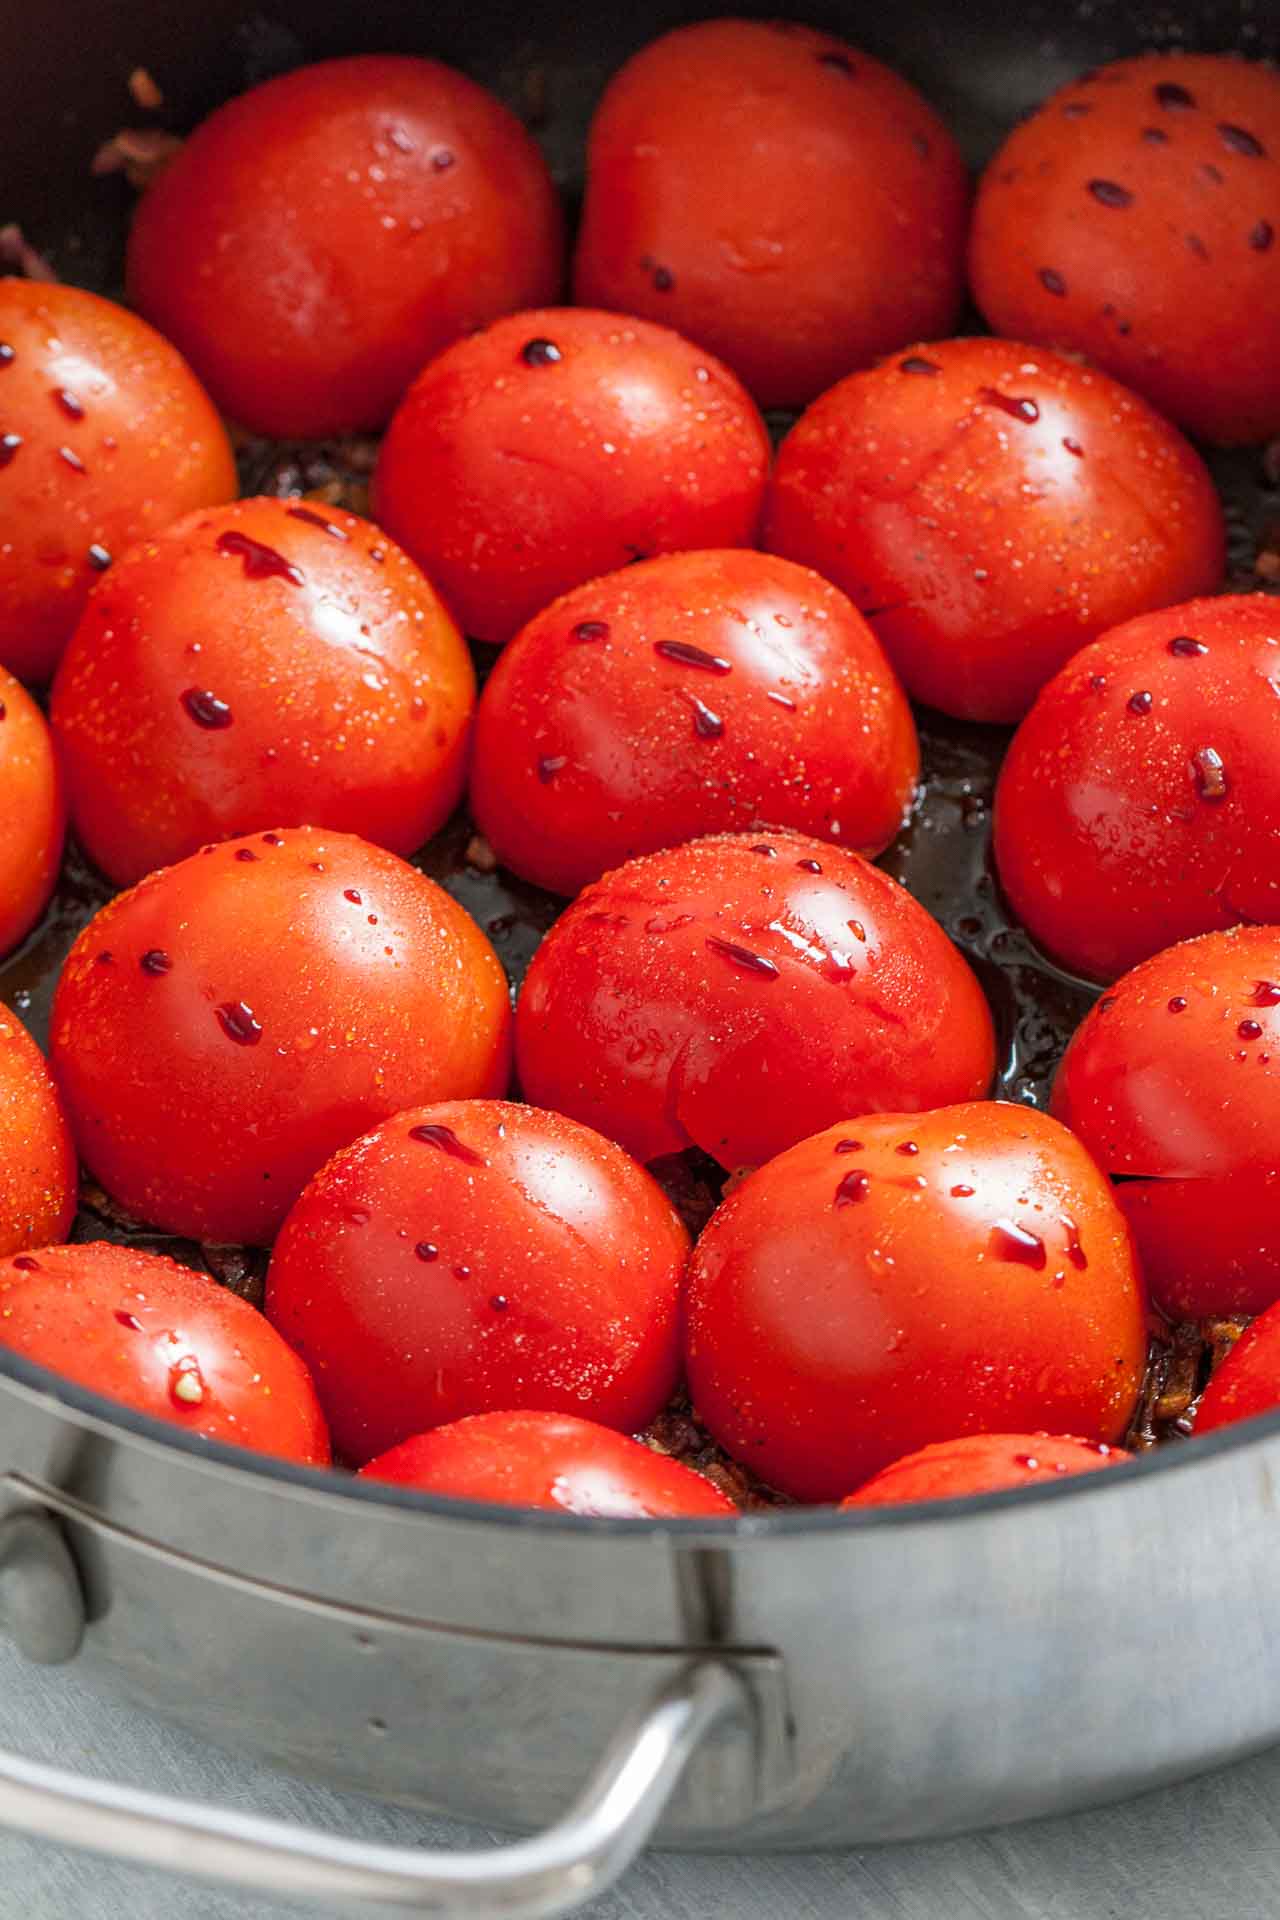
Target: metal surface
580 1856
41 1604
910 1673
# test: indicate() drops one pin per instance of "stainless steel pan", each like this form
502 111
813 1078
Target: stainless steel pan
788 1679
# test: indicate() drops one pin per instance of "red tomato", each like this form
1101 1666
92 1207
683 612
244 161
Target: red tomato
1140 800
263 663
983 1463
166 1341
321 236
911 1278
559 445
476 1255
37 1159
1173 1083
33 813
1136 217
737 993
779 196
105 436
232 1021
994 507
693 693
549 1460
1248 1381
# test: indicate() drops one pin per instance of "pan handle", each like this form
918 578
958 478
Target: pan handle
535 1879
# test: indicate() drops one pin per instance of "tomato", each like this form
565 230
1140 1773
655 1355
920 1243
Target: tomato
993 507
559 445
33 813
264 663
37 1159
983 1463
696 692
779 196
139 1328
105 436
322 235
1136 217
549 1460
472 1256
910 1278
232 1021
1140 800
737 993
1247 1382
1173 1083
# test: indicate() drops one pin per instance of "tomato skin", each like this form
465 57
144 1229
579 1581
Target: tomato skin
512 476
679 988
848 1306
164 1340
471 1256
1173 1082
983 1463
310 990
779 196
989 550
1174 288
37 1158
1247 1383
33 813
344 690
1145 782
549 1460
321 236
590 751
142 443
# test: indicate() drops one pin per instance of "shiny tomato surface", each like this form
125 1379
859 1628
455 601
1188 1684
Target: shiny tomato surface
1173 1083
549 1460
1247 1382
911 1278
1136 218
320 237
164 1340
233 1020
691 694
37 1159
474 1256
105 436
263 664
1140 800
562 444
33 813
993 507
739 992
983 1463
779 196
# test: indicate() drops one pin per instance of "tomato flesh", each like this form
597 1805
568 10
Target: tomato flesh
983 1463
992 508
563 444
549 1460
233 1020
105 437
321 236
692 694
910 1278
37 1158
264 664
472 1256
739 992
164 1340
1134 218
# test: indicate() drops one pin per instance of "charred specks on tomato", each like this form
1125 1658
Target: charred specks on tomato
260 561
206 709
435 1134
